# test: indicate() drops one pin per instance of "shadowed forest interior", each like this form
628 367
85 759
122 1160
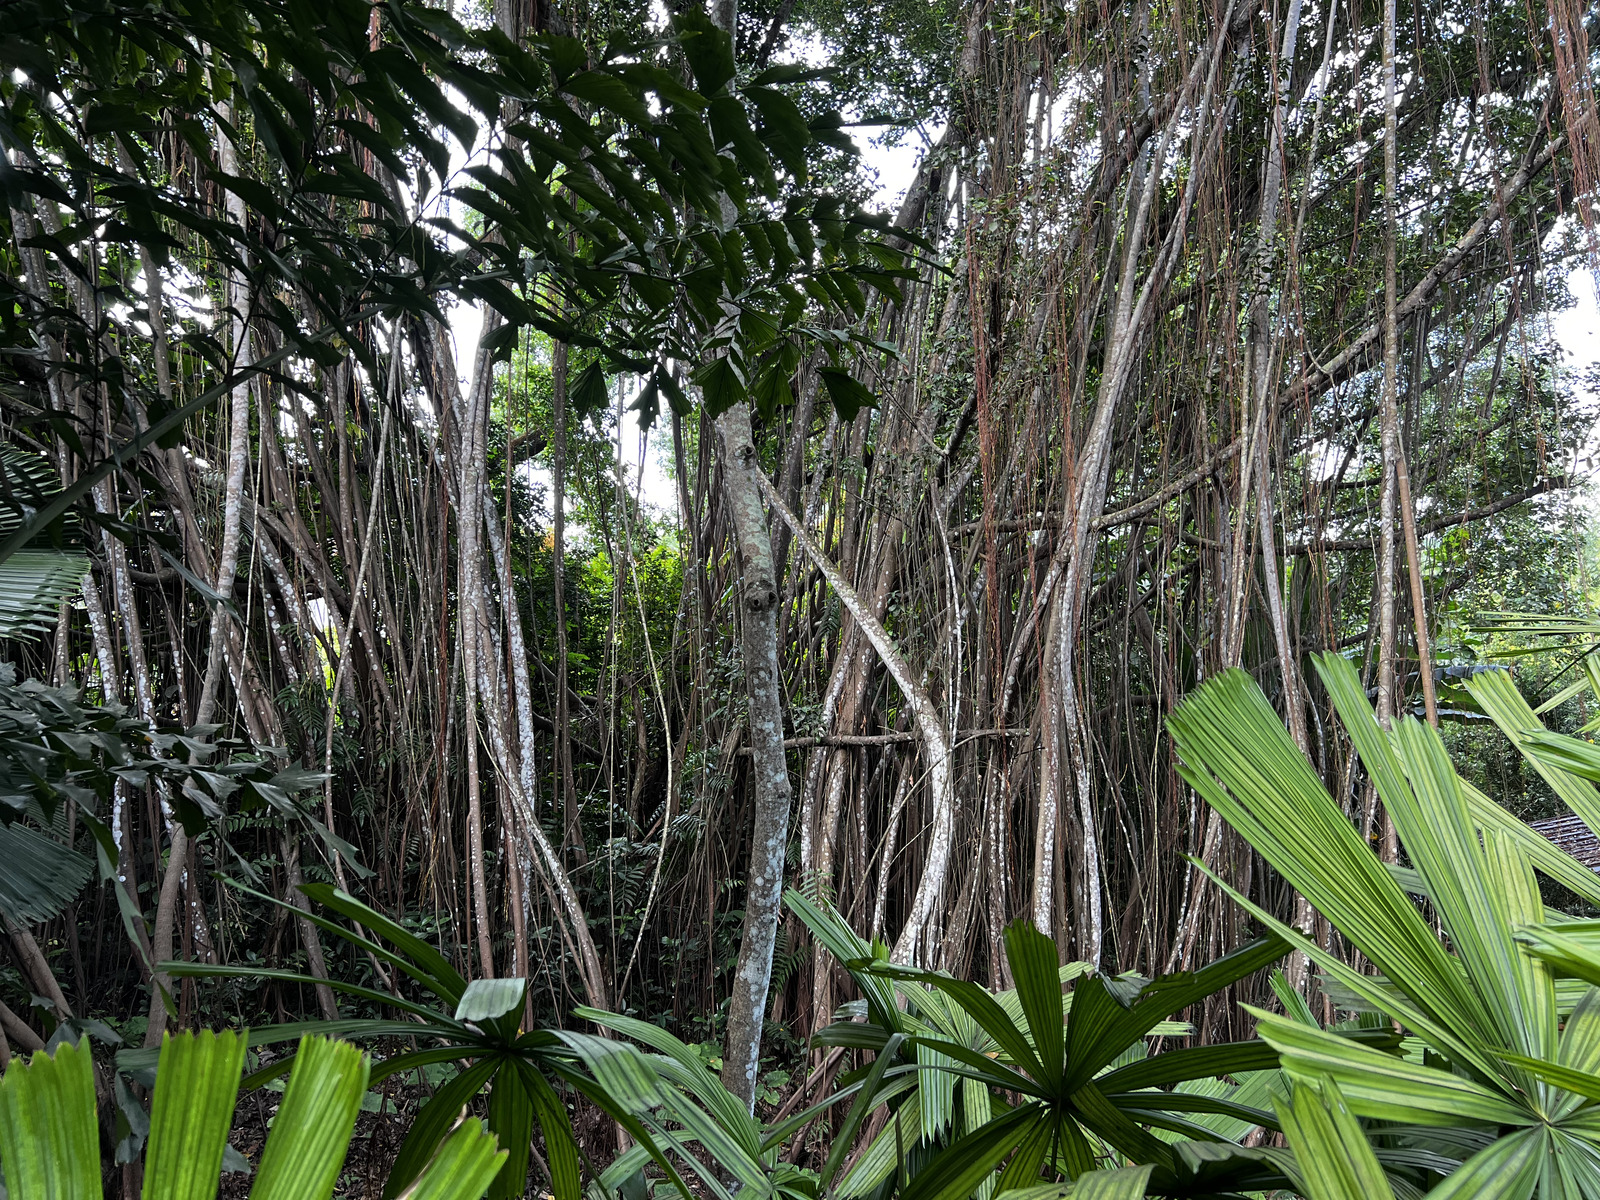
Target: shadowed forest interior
725 519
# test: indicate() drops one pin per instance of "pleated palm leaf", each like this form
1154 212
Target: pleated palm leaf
1122 1183
1477 1082
693 1121
942 1103
50 1147
1576 638
33 583
477 1024
934 1099
1052 1086
1333 1158
1570 949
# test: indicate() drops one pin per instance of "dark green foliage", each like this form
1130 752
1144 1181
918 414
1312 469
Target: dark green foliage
1075 1064
56 746
613 210
476 1023
46 570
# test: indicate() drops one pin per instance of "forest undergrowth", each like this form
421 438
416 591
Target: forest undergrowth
741 808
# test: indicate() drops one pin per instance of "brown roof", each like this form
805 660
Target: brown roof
1573 836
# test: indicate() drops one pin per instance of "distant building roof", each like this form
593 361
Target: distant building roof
1573 836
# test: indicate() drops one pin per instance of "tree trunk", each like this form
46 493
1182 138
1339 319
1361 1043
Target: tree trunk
1388 634
571 835
769 771
935 739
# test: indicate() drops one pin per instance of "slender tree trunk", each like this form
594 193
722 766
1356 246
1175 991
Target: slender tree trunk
1388 635
238 302
935 738
289 845
344 659
769 770
471 623
1047 822
758 626
515 661
1085 494
1419 611
1264 346
571 834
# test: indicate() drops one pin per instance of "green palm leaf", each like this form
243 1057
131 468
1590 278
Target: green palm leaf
39 876
1380 1085
463 1167
416 958
1331 1151
883 1154
1478 890
853 953
1107 1018
1580 1049
511 1122
311 1132
689 1071
1124 1183
973 1157
49 1147
1236 754
433 1123
196 1086
981 1006
1035 966
1534 846
1569 1079
33 583
1511 1096
1509 1169
1497 693
866 1100
560 1145
478 1023
38 574
1193 1062
1572 947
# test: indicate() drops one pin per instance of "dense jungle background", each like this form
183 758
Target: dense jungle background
538 468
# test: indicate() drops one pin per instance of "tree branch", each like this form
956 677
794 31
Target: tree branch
1465 516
